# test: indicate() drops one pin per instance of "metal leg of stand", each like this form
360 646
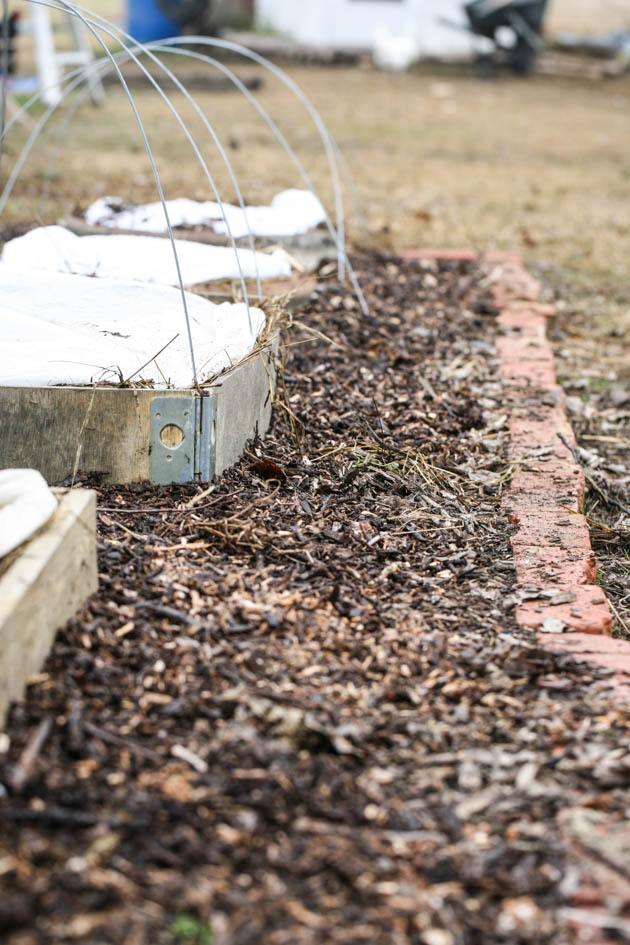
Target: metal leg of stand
48 67
51 64
82 44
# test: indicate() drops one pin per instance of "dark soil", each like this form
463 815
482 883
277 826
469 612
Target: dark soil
299 711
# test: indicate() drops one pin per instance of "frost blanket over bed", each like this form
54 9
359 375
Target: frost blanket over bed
291 213
66 329
138 258
26 504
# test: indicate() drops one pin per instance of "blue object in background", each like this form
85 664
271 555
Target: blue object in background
146 22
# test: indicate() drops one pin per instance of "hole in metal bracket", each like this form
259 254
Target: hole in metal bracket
171 436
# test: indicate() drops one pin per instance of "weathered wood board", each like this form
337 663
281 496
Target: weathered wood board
116 432
60 430
44 584
243 408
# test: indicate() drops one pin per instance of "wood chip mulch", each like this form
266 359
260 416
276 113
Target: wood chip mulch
299 710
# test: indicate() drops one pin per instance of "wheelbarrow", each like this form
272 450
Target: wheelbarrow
523 19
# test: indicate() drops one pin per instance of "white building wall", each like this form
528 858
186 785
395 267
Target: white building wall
353 23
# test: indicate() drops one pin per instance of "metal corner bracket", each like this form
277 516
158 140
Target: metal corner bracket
181 440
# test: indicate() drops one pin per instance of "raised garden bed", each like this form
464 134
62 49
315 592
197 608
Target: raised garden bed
132 434
42 585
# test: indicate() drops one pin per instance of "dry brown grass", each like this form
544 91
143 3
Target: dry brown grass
540 166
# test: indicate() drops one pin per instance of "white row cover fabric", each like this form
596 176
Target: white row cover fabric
67 329
144 259
292 213
26 504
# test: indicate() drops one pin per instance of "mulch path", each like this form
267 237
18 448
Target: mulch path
299 709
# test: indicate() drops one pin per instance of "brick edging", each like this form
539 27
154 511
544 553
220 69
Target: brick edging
552 545
555 564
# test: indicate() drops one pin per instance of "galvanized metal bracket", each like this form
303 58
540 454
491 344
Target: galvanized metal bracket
205 453
181 447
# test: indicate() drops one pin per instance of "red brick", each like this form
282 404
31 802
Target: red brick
513 283
588 612
552 481
549 527
536 375
541 431
460 255
524 348
542 566
603 652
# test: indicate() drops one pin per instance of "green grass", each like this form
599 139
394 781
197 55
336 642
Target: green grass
189 930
